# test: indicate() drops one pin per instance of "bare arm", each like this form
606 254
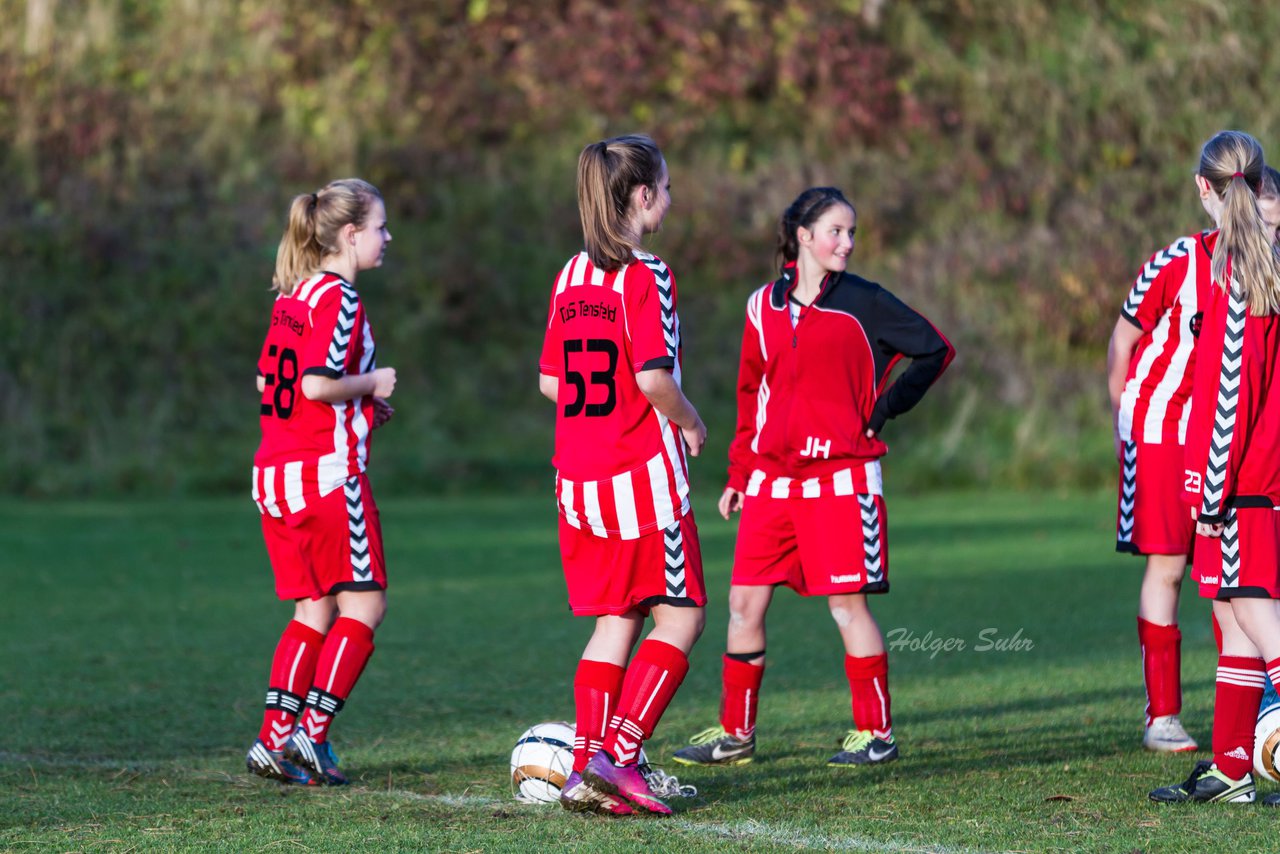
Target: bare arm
662 392
1119 354
380 382
549 386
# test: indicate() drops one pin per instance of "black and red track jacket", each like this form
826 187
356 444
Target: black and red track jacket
808 393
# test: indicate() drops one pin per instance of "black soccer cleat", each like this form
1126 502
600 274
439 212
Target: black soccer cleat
1207 785
861 747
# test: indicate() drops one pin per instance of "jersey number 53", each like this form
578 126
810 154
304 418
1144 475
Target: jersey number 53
579 406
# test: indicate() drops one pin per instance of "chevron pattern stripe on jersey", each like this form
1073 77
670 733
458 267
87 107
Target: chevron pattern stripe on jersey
1230 544
337 358
1224 419
872 559
1128 491
673 542
662 278
361 567
1178 249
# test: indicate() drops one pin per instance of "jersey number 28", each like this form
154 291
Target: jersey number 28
284 380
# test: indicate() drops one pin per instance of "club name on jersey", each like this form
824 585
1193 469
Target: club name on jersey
283 318
586 308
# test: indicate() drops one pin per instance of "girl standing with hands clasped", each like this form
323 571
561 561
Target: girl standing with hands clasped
817 349
1231 479
611 363
322 394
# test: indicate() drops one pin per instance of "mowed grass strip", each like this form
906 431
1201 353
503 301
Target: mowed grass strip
136 638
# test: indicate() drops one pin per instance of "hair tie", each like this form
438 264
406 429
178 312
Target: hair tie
1237 174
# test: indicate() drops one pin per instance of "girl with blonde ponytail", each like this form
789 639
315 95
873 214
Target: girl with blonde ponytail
1230 475
321 396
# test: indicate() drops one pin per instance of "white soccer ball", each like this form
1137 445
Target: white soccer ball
1266 743
541 761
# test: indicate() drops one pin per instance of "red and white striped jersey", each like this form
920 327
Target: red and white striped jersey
310 447
1166 302
621 464
809 388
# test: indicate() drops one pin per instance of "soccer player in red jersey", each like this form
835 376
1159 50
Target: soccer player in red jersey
813 396
322 394
611 363
1150 365
1230 476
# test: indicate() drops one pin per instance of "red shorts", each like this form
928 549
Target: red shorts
333 544
1245 560
607 575
1151 519
816 546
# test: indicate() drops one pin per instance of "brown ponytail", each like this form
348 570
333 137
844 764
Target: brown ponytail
1232 163
315 219
607 173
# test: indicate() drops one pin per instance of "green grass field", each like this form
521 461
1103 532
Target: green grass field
136 639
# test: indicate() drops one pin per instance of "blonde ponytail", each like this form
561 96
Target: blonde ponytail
315 219
1232 162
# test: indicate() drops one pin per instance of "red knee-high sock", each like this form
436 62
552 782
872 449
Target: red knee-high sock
869 687
1235 713
1161 668
740 696
655 673
346 650
596 689
292 670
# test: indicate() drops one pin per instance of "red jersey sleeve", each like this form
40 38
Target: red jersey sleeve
552 358
650 301
1156 287
336 320
742 456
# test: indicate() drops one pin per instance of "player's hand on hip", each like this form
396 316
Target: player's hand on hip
695 437
730 501
384 382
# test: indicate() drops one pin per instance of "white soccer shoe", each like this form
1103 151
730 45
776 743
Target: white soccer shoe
1166 735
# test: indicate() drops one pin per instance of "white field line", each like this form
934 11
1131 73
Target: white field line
781 834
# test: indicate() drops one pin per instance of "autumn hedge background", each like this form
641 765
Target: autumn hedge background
1013 164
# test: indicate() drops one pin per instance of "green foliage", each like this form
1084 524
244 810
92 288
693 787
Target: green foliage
1013 164
138 636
